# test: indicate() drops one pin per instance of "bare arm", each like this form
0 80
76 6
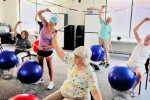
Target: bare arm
110 40
60 52
100 12
135 30
42 18
15 28
96 95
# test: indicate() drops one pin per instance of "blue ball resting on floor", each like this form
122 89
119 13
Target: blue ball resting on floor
29 72
121 78
8 59
97 53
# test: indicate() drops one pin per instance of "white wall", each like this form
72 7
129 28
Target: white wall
9 9
77 17
11 12
1 11
74 17
125 45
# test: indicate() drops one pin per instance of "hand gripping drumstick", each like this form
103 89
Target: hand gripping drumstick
61 28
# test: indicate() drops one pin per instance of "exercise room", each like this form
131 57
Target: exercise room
74 49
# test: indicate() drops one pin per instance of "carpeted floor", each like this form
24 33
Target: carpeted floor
9 88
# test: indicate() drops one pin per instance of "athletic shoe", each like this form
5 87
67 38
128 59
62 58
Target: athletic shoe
50 86
102 64
107 65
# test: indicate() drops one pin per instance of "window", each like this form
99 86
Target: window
27 14
120 11
43 6
28 10
140 11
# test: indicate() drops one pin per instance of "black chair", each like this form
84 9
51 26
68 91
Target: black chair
91 96
5 33
29 55
1 48
147 69
95 66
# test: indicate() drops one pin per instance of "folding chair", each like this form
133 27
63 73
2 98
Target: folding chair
146 68
1 48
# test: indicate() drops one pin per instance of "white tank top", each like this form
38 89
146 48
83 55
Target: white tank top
140 53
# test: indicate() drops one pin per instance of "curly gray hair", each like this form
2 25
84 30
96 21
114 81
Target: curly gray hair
84 53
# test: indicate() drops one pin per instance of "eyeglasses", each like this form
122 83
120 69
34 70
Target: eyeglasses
76 57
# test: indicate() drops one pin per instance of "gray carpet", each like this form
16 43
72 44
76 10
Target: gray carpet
9 88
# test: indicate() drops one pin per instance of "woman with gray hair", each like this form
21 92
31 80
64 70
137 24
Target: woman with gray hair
81 78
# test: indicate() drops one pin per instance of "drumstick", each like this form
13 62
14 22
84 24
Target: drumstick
56 15
26 22
62 28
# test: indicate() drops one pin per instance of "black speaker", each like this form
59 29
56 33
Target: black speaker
80 35
69 37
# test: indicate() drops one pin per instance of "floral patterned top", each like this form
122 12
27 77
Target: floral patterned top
78 83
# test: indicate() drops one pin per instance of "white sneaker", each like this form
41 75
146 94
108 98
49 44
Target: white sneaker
40 81
50 86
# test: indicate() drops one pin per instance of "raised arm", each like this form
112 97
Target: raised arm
110 41
15 28
42 18
100 11
60 52
135 30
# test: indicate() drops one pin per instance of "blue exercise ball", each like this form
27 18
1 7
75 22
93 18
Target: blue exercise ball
29 72
121 78
97 53
8 59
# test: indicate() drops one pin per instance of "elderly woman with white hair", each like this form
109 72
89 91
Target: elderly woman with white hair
81 78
